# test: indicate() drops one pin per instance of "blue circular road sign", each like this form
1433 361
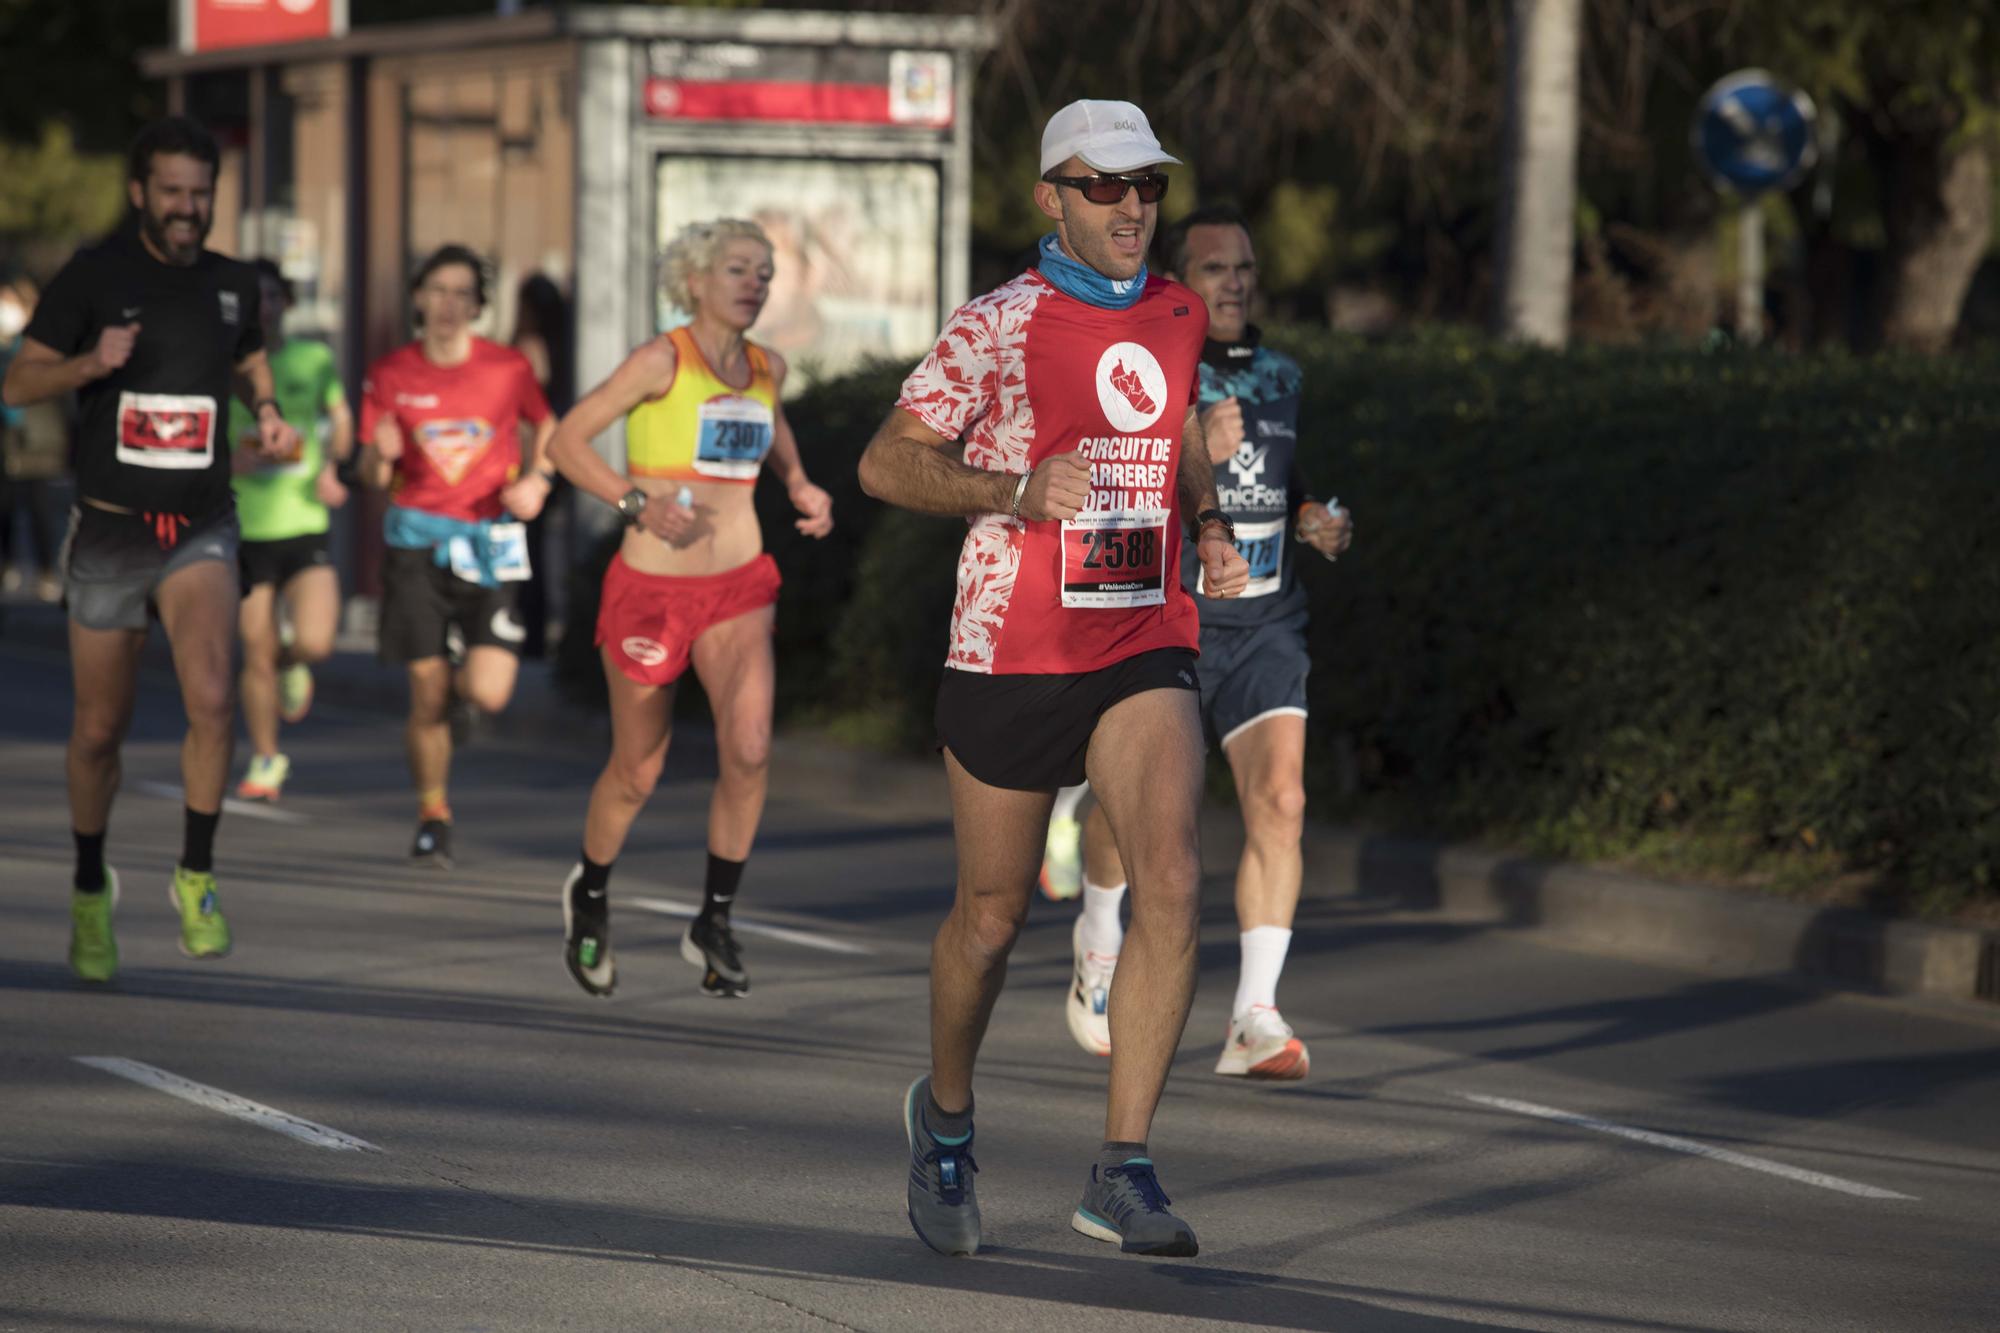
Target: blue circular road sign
1754 132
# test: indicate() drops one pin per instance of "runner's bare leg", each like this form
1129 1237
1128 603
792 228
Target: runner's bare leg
313 598
427 736
642 719
1269 763
104 664
487 678
198 610
258 623
739 673
1101 865
1000 834
1145 764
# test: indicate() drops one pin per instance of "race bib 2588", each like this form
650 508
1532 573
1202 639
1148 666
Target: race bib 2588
166 430
1115 560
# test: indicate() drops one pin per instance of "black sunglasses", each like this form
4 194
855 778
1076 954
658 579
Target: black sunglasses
1152 187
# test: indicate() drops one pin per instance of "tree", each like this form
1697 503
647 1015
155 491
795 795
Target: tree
1537 246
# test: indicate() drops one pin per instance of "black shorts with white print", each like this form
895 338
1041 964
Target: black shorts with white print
423 601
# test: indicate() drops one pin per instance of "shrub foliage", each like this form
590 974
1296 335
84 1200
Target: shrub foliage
1723 611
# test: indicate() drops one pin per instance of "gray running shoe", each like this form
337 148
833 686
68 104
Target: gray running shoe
1126 1204
943 1211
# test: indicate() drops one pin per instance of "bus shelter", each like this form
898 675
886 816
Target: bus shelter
571 141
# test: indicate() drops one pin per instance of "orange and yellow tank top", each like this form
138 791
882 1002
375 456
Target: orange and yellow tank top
701 429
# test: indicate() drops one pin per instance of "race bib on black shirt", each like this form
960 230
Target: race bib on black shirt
151 436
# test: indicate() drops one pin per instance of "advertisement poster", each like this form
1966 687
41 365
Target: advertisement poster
855 248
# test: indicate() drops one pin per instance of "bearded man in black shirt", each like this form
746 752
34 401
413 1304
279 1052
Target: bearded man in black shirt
152 332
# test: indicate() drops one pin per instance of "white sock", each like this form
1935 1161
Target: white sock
1263 959
1103 933
1068 799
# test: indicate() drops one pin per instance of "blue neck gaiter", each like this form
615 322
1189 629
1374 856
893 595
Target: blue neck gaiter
1085 283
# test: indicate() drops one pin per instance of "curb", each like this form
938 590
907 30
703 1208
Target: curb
1617 912
1607 911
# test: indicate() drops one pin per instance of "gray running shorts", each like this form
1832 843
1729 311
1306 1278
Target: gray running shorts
112 564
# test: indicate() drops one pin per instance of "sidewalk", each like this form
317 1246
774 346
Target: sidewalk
1607 911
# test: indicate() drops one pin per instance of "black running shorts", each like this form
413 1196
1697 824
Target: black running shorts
280 561
1031 732
422 602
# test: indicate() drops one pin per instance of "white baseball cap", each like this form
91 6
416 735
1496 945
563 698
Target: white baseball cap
1108 136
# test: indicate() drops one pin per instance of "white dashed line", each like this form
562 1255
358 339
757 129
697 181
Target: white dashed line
1690 1146
667 907
230 805
215 1099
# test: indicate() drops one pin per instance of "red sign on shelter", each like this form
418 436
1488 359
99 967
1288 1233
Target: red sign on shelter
209 25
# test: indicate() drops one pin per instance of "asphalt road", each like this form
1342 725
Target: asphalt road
538 1159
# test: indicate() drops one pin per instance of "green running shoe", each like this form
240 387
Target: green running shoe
204 934
93 949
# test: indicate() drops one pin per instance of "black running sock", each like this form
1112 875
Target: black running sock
945 1124
198 842
595 877
720 889
90 877
1114 1153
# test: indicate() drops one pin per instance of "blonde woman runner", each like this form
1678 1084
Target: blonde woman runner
691 584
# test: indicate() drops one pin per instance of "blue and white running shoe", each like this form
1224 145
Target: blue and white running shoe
1125 1204
943 1211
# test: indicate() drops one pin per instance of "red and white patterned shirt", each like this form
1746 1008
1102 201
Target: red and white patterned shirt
1025 372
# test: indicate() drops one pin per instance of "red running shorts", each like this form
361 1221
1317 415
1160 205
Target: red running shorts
648 622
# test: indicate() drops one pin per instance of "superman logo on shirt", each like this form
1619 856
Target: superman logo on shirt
453 445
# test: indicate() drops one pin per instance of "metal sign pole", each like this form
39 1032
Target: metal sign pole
1750 273
1752 133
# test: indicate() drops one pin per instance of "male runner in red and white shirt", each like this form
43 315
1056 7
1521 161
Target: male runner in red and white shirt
1072 643
442 418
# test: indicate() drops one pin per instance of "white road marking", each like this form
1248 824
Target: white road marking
667 907
254 809
215 1099
1676 1144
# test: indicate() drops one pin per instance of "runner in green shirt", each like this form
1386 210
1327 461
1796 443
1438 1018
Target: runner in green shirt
283 508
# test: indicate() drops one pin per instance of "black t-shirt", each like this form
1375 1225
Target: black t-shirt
154 433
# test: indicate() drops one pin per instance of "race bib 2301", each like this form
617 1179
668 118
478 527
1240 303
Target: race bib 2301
734 435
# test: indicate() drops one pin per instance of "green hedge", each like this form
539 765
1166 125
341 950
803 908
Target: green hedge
1733 613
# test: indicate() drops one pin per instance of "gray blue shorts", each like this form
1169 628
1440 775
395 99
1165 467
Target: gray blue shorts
112 563
1251 672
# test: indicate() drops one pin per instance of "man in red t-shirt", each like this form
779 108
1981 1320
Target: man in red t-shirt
441 418
1072 640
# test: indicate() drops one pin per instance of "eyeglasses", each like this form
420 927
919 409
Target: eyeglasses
1152 187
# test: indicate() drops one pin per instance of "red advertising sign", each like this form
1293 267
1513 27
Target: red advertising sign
736 81
209 25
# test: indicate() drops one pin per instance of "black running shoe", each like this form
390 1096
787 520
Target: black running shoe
587 936
717 987
711 945
433 844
